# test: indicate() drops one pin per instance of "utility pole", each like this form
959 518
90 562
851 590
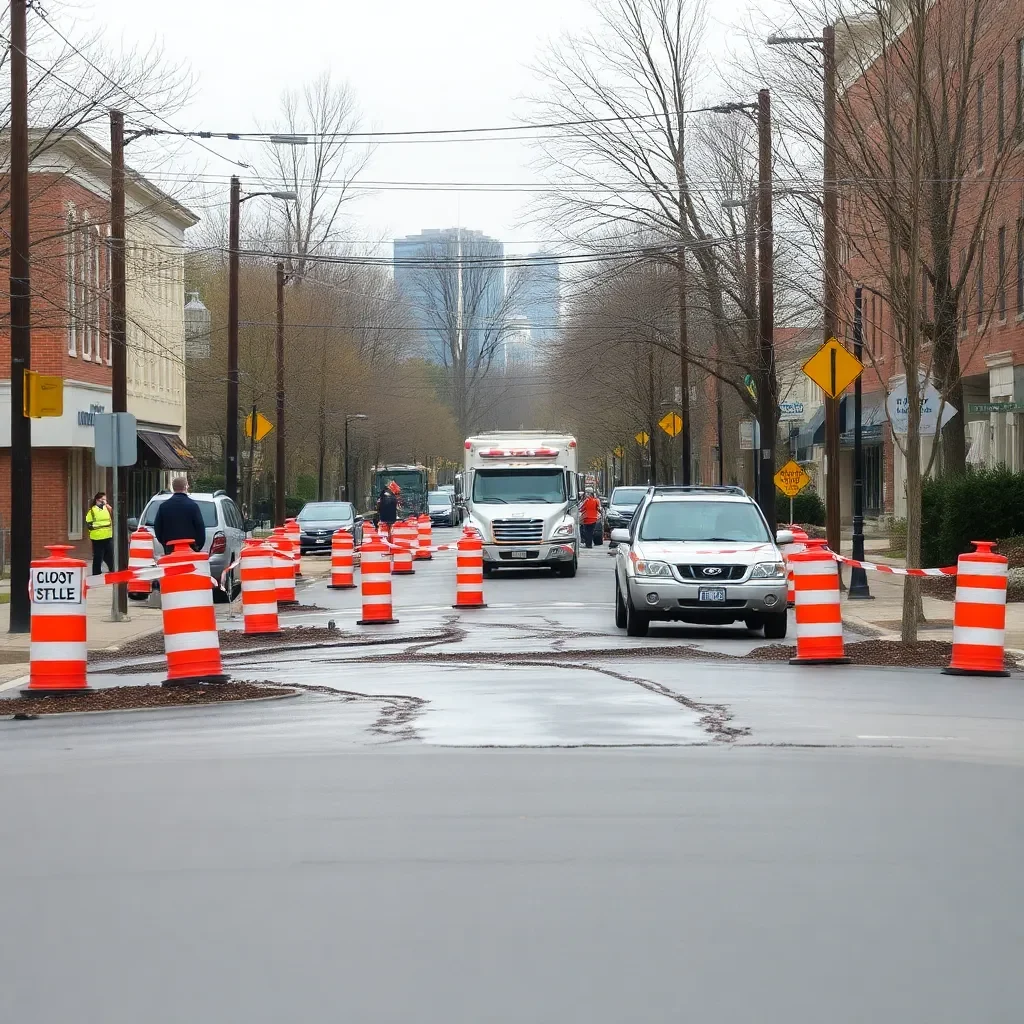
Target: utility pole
252 462
831 244
767 400
118 345
231 452
684 370
279 475
21 328
653 418
859 589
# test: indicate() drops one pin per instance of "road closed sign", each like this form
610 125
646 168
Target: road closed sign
57 585
791 479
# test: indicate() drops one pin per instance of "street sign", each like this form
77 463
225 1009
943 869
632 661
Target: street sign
833 369
618 452
263 426
671 423
748 383
986 407
750 435
791 412
116 439
42 395
62 585
642 438
792 479
897 406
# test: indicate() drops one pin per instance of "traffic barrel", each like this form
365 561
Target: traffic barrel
469 571
819 616
375 570
140 556
191 641
58 649
404 539
294 534
342 561
979 614
426 538
259 588
799 544
284 568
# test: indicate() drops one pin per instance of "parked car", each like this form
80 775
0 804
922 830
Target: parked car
225 531
443 510
700 554
320 520
621 506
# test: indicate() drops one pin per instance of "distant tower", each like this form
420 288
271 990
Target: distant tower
197 328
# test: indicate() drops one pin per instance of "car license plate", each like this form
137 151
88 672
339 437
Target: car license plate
711 594
518 553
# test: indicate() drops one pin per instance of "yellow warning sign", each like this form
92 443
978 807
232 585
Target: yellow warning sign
833 369
263 426
671 423
42 396
618 452
792 479
643 437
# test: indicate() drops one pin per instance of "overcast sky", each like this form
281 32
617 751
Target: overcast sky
413 65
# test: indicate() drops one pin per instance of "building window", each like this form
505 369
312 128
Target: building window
74 493
83 300
1000 105
1019 119
1020 266
979 283
1001 283
108 324
963 293
872 324
72 281
980 117
96 267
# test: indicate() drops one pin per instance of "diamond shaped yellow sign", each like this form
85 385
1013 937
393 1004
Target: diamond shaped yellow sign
833 369
263 426
642 438
791 479
671 423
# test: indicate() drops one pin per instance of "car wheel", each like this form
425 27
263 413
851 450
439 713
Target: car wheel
775 626
620 606
753 622
636 622
488 569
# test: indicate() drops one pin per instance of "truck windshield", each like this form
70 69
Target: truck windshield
519 486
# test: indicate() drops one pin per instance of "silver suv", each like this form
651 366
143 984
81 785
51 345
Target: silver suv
700 554
225 531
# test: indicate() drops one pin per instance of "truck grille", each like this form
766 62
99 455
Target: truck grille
725 572
518 531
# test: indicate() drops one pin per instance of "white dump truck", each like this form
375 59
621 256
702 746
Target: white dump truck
521 491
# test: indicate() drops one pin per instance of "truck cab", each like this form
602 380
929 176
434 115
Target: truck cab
521 492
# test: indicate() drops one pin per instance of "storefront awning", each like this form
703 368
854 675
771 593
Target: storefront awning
169 449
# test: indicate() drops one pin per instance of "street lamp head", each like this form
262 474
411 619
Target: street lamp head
357 416
283 195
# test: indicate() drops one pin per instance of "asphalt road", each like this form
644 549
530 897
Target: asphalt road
850 852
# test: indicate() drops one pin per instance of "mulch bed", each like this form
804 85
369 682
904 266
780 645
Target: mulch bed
125 698
921 654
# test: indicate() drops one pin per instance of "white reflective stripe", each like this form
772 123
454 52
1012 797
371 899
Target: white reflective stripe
468 588
58 609
48 650
822 568
830 596
969 567
259 609
816 629
175 600
980 637
980 595
252 586
175 643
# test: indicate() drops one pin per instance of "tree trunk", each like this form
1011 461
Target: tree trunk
947 372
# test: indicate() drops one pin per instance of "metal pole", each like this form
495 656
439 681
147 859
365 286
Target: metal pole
831 245
858 577
21 328
767 401
279 480
347 496
252 464
118 341
718 419
231 447
115 606
686 455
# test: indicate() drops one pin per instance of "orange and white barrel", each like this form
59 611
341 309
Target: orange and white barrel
294 534
140 556
819 616
191 641
469 571
799 544
979 615
58 650
342 561
259 588
404 541
284 568
375 573
425 537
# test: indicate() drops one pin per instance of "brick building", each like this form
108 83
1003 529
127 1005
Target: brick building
69 227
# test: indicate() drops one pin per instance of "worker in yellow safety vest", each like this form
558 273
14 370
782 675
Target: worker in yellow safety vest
100 522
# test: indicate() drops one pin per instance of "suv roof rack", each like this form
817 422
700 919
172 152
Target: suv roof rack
220 490
697 489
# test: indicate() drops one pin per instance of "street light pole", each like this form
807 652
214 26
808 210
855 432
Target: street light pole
767 402
858 577
279 475
231 431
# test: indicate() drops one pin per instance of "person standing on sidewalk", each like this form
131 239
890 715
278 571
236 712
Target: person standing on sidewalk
179 518
100 523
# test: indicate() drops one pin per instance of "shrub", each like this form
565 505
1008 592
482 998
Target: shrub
808 508
1013 548
898 535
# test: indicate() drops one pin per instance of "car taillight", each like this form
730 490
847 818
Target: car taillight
219 545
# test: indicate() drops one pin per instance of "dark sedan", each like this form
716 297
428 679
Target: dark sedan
442 509
319 520
621 506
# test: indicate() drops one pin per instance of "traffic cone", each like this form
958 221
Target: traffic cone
819 617
425 537
284 568
405 540
294 534
979 614
259 588
58 650
469 572
342 561
191 641
799 544
140 556
375 570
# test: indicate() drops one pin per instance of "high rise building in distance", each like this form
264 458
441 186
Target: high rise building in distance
538 298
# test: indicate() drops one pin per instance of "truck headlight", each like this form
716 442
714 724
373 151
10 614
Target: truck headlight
565 530
644 568
769 571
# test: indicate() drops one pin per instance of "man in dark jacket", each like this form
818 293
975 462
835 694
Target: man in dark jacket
179 518
387 509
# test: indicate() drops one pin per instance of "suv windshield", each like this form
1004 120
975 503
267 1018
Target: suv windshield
510 486
439 498
322 511
630 496
208 508
738 522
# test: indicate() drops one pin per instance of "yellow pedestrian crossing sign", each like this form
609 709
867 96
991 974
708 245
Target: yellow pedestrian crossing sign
833 368
792 479
263 426
671 423
642 438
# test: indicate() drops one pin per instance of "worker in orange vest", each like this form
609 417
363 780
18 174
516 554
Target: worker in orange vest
590 515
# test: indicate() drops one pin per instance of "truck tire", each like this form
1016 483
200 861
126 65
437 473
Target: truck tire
568 571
